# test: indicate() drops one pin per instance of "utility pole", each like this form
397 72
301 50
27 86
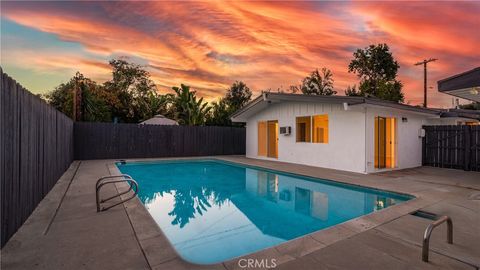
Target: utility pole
77 100
424 63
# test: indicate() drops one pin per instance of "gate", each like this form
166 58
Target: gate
456 147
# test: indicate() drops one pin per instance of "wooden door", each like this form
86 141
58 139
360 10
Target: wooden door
390 137
380 142
272 135
385 145
262 138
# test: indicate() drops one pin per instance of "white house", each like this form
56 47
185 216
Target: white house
345 133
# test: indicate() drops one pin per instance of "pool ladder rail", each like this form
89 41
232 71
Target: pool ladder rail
112 179
428 233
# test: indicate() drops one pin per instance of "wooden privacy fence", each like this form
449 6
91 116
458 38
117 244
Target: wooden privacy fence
456 147
38 144
115 141
36 147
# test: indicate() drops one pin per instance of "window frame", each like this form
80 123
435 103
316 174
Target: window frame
326 138
307 140
310 132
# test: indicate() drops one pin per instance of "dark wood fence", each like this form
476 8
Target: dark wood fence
456 147
36 147
116 141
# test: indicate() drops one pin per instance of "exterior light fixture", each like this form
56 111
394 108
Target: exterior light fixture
474 90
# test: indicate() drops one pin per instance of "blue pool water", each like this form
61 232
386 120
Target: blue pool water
212 211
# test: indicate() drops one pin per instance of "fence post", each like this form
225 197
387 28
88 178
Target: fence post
424 147
466 134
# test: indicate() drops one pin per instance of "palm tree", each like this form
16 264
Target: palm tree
318 83
152 104
186 109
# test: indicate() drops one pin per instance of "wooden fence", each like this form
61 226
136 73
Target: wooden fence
116 141
456 147
36 147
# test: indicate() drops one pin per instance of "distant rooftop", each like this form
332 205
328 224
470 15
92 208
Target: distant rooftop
470 114
159 120
464 85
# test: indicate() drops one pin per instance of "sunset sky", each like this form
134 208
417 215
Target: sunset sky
209 45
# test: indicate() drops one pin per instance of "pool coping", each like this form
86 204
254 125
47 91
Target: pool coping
160 253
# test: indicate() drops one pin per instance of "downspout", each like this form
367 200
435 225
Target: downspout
264 96
365 133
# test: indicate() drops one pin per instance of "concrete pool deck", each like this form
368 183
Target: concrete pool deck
66 232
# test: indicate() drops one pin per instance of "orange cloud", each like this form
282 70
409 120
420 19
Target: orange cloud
421 30
209 45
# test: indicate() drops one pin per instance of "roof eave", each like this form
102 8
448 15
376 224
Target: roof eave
403 107
461 84
267 98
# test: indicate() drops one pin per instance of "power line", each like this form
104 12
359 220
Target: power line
424 63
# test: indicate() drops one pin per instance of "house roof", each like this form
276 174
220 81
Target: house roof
464 85
159 120
469 114
267 98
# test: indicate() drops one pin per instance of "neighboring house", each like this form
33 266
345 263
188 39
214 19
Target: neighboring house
355 134
456 117
464 85
159 120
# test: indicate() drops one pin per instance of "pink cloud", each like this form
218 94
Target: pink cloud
209 45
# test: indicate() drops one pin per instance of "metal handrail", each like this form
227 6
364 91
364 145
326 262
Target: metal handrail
125 176
110 177
101 182
428 232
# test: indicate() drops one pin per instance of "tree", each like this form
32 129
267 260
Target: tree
92 105
186 109
133 92
316 84
294 89
219 114
377 71
352 91
130 96
152 104
237 96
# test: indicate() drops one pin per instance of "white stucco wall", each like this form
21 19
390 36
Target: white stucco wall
408 142
351 136
344 151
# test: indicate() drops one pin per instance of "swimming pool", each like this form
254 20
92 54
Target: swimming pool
212 211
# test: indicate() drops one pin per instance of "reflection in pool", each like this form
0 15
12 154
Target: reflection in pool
212 211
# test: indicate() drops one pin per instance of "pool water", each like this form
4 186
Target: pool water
212 211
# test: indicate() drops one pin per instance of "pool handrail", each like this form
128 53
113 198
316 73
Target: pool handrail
101 182
110 177
428 233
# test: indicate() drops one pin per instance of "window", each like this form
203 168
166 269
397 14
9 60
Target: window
304 124
312 128
320 128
